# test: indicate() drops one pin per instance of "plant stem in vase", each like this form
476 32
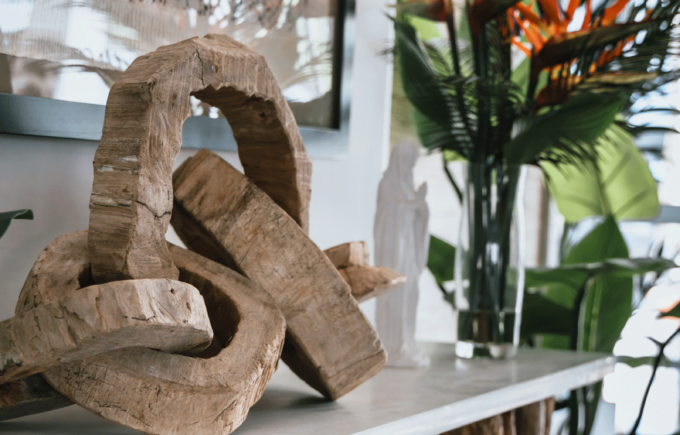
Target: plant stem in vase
489 266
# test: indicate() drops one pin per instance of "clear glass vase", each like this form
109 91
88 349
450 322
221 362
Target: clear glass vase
489 268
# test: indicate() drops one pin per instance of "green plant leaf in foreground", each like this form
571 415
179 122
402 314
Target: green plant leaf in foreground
619 183
6 218
419 78
441 260
581 120
541 315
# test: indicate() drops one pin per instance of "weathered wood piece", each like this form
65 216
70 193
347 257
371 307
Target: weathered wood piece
365 281
503 424
28 396
535 418
348 254
159 393
368 282
131 197
532 419
222 215
158 314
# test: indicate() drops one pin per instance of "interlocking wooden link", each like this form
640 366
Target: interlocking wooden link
160 393
131 199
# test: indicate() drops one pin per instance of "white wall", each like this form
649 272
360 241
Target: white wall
54 176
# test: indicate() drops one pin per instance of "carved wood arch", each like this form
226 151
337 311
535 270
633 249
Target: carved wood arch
131 199
159 393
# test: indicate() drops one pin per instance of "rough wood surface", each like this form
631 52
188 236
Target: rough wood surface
131 197
535 418
221 214
158 314
348 254
532 419
159 393
502 424
28 396
368 282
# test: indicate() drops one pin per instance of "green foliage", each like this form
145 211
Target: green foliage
594 284
7 217
441 259
568 133
617 183
585 303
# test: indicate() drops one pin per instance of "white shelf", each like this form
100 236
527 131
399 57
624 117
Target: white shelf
449 394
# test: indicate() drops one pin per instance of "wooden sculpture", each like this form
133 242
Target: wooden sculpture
222 215
28 396
131 197
158 314
365 281
159 393
120 273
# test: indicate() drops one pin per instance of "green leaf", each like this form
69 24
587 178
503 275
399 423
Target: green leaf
594 284
430 134
426 29
570 275
637 362
557 51
6 218
540 315
441 259
420 81
608 302
582 119
619 183
520 75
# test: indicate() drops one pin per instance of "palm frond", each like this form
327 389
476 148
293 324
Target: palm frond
568 133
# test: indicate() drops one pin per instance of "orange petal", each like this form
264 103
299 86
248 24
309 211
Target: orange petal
532 35
523 48
588 17
571 10
530 15
613 11
552 10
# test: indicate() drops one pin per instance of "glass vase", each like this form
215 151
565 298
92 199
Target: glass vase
489 269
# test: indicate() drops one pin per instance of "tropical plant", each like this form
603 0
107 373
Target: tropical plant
554 100
584 304
555 105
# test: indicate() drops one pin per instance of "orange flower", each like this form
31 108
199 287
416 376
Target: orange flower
555 49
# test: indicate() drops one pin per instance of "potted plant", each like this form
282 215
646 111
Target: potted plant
522 83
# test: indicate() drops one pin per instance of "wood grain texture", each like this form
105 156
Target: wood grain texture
348 254
158 314
368 282
28 396
535 418
222 215
131 197
488 426
159 393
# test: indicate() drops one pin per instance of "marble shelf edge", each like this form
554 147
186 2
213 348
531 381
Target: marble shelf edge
464 412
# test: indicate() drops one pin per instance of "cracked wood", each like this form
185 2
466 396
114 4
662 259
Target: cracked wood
222 215
159 393
158 314
131 197
365 281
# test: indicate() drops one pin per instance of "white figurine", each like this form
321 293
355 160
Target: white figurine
401 243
